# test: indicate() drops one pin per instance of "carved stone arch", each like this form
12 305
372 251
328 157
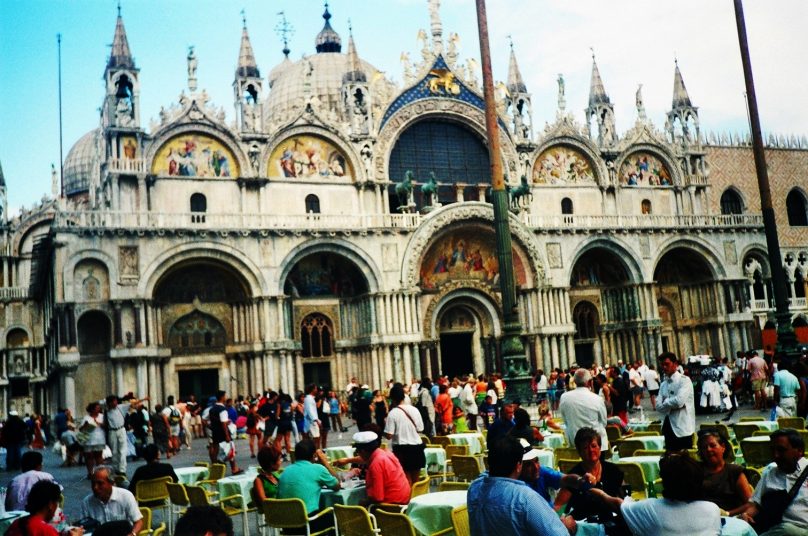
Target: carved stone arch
445 216
69 270
758 253
710 255
661 152
330 135
224 254
343 248
214 130
17 327
482 295
91 339
619 248
581 144
453 110
27 227
131 76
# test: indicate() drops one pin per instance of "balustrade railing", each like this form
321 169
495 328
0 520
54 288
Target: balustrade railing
13 293
640 221
127 165
760 305
798 303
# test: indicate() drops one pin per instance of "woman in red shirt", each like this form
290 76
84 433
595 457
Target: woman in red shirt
443 410
43 500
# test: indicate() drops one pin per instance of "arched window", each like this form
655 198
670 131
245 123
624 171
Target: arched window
316 336
199 205
796 209
197 332
312 204
585 317
645 206
731 202
566 206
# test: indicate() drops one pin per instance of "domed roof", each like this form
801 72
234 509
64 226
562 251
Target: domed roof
320 74
81 162
328 40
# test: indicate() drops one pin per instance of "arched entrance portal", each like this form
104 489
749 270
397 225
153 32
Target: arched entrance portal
585 316
466 336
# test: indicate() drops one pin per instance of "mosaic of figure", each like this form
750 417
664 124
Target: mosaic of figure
562 165
195 155
307 157
467 254
644 169
325 275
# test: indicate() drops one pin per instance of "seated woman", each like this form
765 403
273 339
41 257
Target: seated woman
546 417
725 483
679 512
607 477
265 485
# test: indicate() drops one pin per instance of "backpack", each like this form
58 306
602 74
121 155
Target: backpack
175 418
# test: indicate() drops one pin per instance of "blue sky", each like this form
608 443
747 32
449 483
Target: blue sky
635 42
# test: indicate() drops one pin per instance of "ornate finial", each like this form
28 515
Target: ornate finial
243 18
326 14
285 31
562 101
510 40
639 103
350 28
119 8
436 27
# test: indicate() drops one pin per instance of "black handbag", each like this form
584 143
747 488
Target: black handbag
773 505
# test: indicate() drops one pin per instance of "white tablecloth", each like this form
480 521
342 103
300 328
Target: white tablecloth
351 496
473 441
653 442
649 464
237 485
191 475
553 440
432 512
335 453
546 457
435 459
771 426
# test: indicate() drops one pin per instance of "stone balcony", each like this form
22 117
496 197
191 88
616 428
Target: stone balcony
13 293
112 220
126 165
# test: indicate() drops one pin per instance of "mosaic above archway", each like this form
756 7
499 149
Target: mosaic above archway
466 254
307 157
562 165
644 169
195 155
325 274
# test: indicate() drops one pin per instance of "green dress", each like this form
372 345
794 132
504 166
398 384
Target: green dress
270 487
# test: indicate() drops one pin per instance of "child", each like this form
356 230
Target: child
488 411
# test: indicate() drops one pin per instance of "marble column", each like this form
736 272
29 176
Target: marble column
69 389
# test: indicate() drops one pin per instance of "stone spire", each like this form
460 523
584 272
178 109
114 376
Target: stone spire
2 178
246 59
436 27
355 74
680 96
597 93
120 57
515 82
328 40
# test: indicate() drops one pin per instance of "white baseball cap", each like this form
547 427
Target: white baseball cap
529 452
362 438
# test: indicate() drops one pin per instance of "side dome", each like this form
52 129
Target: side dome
82 162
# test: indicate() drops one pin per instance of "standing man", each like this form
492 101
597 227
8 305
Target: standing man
581 408
636 380
757 375
311 420
221 447
469 402
403 424
174 416
676 404
116 432
14 436
786 390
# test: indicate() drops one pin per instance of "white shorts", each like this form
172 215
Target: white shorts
314 430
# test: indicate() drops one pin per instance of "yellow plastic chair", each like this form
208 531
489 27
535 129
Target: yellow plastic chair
721 428
796 423
644 452
354 521
567 453
393 524
153 493
744 430
756 453
198 497
655 427
642 433
634 477
291 513
206 465
613 432
178 501
147 523
452 450
565 466
629 447
216 471
420 487
454 486
460 521
467 468
753 475
752 419
443 441
762 433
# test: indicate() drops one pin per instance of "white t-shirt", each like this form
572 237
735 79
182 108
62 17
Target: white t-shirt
453 392
635 378
664 517
175 428
400 427
775 479
651 378
542 384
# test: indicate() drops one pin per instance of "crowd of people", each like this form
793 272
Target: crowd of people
516 495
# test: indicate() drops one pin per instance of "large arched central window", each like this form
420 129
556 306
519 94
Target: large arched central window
316 336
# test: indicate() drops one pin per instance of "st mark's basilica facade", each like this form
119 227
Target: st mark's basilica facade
291 245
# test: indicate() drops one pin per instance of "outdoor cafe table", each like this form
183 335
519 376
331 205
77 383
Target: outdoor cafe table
237 485
651 442
351 494
546 457
9 517
639 426
769 426
435 459
649 464
335 453
554 440
191 475
732 526
432 512
473 441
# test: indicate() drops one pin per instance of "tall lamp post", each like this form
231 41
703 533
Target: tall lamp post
517 369
786 338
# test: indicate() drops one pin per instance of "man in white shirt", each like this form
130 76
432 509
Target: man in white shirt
469 403
788 450
582 408
402 428
20 486
110 503
636 381
676 403
311 420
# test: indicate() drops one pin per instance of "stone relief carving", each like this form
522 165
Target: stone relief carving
554 255
730 253
390 257
645 247
128 262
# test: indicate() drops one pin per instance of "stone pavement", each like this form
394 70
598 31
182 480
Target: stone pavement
76 486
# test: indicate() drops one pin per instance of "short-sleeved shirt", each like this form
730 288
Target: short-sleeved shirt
651 378
722 487
304 480
385 479
664 517
757 368
548 479
508 507
31 526
121 506
20 487
404 429
787 382
775 479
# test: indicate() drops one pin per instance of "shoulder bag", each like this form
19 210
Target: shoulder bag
773 505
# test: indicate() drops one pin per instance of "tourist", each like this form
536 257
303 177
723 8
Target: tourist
501 425
174 416
14 437
284 415
402 428
116 415
268 411
469 403
385 479
153 468
676 404
488 411
109 503
21 485
546 418
444 408
335 411
161 430
787 390
311 420
499 503
758 372
204 521
522 428
305 480
362 407
619 394
265 485
582 408
91 437
651 377
788 450
725 483
636 383
322 416
253 433
42 504
222 448
426 406
542 479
